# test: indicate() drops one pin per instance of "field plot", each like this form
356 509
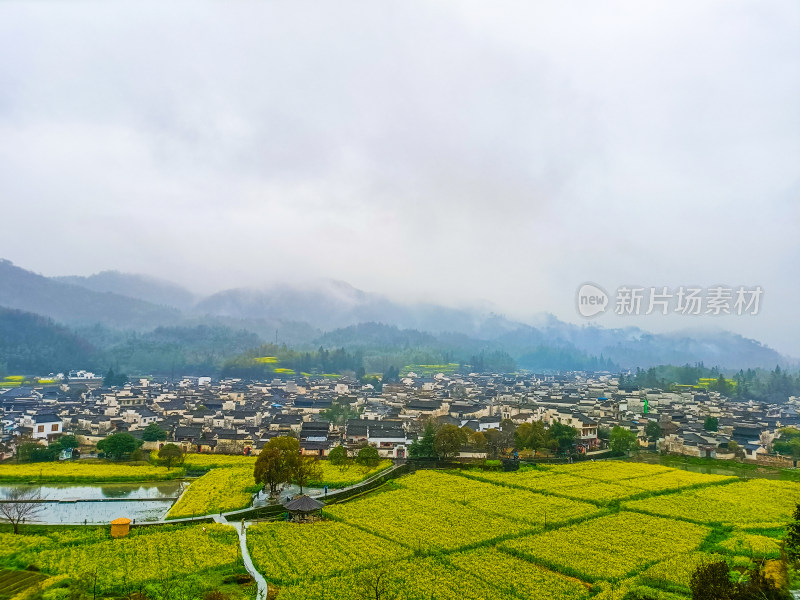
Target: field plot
677 571
284 552
334 477
754 546
536 480
417 578
11 544
599 492
424 523
219 490
498 500
613 471
614 546
14 582
516 578
674 480
217 461
753 503
147 554
633 588
611 481
83 472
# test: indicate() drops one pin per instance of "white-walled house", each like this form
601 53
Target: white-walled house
44 426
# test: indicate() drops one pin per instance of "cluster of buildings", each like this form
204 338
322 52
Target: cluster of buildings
232 416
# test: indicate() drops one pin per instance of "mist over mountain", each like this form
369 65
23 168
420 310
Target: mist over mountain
75 305
335 314
140 287
330 304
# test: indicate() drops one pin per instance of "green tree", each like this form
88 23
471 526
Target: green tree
391 375
711 424
53 451
340 411
653 431
793 535
623 440
736 449
521 436
33 452
153 433
477 440
306 468
563 435
68 441
118 445
494 443
423 447
114 379
169 455
368 456
788 443
76 392
760 586
338 457
531 435
276 462
507 431
448 441
712 582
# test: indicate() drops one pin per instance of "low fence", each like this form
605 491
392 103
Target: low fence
184 521
506 464
276 510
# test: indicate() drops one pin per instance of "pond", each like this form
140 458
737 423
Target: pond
101 503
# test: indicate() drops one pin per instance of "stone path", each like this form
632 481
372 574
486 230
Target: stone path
241 530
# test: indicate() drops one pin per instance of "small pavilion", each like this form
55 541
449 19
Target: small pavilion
300 508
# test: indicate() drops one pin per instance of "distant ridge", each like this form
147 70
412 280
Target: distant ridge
141 287
335 314
72 304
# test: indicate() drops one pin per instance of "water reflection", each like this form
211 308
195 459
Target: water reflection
115 491
102 503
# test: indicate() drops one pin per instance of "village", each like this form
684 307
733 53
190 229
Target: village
201 415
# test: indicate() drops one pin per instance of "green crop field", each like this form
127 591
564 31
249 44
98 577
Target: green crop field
591 530
16 582
193 558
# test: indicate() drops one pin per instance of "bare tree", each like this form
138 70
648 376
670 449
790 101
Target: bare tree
20 504
376 585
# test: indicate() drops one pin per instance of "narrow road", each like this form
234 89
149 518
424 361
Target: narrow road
248 562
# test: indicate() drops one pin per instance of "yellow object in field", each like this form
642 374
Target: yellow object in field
120 527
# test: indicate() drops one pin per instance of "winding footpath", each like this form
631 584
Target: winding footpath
241 530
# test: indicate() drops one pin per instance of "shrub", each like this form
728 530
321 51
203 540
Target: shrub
368 456
712 582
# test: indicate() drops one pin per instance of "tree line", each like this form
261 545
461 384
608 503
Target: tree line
762 385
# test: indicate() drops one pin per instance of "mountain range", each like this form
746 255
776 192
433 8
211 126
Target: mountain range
108 310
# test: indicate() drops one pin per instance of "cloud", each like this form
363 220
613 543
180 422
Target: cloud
454 151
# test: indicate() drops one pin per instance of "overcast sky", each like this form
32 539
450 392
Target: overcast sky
451 151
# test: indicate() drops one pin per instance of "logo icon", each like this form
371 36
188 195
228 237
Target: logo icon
592 300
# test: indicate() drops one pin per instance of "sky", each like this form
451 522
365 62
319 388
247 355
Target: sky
461 152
